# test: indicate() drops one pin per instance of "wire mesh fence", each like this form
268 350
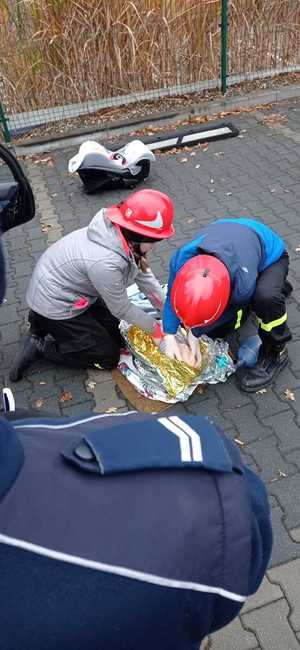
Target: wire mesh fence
63 60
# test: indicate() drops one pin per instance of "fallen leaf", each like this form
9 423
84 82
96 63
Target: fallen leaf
42 161
91 385
289 395
281 474
46 226
111 409
274 118
200 389
66 396
261 392
239 442
39 403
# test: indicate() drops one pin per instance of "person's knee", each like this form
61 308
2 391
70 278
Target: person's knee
264 302
109 361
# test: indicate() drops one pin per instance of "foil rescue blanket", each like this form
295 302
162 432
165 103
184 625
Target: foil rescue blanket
157 377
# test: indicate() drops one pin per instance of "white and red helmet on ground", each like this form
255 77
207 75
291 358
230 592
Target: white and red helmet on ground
146 212
201 290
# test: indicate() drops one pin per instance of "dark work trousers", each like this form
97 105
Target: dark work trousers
84 341
268 304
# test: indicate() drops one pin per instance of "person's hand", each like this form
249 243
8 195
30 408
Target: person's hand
195 349
187 351
170 347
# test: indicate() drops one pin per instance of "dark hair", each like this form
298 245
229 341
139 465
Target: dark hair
137 238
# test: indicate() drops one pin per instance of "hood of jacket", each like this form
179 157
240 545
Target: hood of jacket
102 231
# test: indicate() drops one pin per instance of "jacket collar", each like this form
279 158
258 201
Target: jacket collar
11 456
124 243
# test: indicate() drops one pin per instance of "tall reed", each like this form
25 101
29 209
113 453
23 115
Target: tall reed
64 51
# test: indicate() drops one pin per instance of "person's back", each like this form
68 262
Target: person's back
122 533
66 271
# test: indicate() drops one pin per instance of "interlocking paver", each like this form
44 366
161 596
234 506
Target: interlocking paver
288 577
295 534
288 494
106 397
265 158
270 460
267 593
233 637
287 430
271 626
247 423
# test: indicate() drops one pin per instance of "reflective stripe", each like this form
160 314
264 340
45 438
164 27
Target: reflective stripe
238 319
133 574
267 327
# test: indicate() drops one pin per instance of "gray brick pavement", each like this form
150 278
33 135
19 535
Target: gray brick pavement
256 175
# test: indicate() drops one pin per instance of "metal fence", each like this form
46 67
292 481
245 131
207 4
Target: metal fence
70 63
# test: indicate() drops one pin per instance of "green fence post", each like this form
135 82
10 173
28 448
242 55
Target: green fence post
224 40
4 125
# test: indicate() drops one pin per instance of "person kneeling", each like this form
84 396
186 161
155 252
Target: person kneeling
77 294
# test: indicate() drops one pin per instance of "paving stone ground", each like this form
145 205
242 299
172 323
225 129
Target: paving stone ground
255 175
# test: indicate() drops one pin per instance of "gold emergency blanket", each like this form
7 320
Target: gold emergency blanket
177 376
157 377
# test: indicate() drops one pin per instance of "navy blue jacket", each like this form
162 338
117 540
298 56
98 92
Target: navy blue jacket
247 247
125 532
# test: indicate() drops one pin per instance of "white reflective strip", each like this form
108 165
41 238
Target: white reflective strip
156 223
183 439
118 570
9 404
195 437
204 135
71 424
163 143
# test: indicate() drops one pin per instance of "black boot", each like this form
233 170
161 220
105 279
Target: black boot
31 351
270 363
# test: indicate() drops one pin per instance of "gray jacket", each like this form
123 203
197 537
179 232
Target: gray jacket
86 264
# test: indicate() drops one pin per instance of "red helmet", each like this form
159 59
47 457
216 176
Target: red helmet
147 212
200 291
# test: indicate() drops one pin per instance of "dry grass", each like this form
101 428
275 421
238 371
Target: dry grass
55 52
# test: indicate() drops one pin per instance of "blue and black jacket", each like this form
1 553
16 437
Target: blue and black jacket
125 532
247 247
